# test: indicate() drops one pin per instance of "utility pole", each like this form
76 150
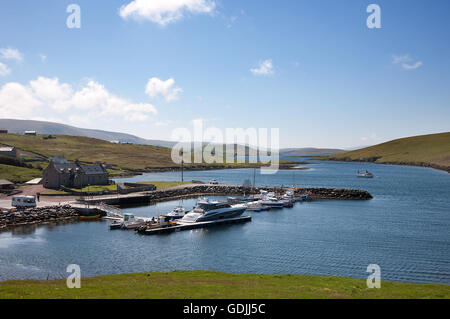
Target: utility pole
182 166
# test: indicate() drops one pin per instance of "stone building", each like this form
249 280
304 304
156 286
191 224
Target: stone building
74 175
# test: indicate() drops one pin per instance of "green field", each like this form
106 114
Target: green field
164 185
113 187
207 284
425 150
18 174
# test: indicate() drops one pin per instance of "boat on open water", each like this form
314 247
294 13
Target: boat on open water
365 174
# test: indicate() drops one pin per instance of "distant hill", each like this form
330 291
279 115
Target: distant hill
41 127
425 150
310 151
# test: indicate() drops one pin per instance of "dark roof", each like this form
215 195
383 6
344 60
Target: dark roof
66 166
93 169
87 169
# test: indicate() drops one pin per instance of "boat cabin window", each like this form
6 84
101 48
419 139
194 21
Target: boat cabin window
209 206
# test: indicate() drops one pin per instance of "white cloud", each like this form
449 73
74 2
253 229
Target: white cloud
412 66
163 12
404 60
4 70
11 54
17 101
43 57
51 92
167 89
45 97
265 68
401 58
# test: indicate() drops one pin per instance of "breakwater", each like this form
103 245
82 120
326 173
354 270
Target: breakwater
227 190
41 215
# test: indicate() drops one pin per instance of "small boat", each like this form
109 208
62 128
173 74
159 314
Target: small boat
176 213
272 201
89 218
365 174
131 222
160 222
115 225
256 207
213 181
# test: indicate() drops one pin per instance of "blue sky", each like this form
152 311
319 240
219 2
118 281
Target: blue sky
328 80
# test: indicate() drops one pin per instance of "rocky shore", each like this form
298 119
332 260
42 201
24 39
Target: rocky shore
36 215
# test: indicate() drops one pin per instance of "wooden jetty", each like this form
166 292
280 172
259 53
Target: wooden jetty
190 226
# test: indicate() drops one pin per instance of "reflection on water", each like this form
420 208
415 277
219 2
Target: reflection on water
404 229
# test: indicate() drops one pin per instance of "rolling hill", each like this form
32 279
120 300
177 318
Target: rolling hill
431 150
20 126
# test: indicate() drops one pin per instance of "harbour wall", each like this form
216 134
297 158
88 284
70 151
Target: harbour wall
227 190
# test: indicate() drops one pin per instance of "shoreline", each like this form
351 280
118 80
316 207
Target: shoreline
424 165
203 284
133 173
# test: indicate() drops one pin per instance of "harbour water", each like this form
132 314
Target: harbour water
405 229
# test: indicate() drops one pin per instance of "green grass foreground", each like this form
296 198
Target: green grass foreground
208 284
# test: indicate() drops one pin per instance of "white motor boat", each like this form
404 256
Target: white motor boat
365 174
131 222
177 212
272 201
212 210
256 206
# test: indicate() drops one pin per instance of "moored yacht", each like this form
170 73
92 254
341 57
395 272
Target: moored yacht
272 201
176 213
212 210
256 206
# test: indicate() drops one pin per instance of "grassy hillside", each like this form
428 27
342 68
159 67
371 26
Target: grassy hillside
91 150
207 284
85 149
20 126
425 150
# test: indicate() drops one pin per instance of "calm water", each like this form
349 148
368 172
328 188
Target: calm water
405 229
